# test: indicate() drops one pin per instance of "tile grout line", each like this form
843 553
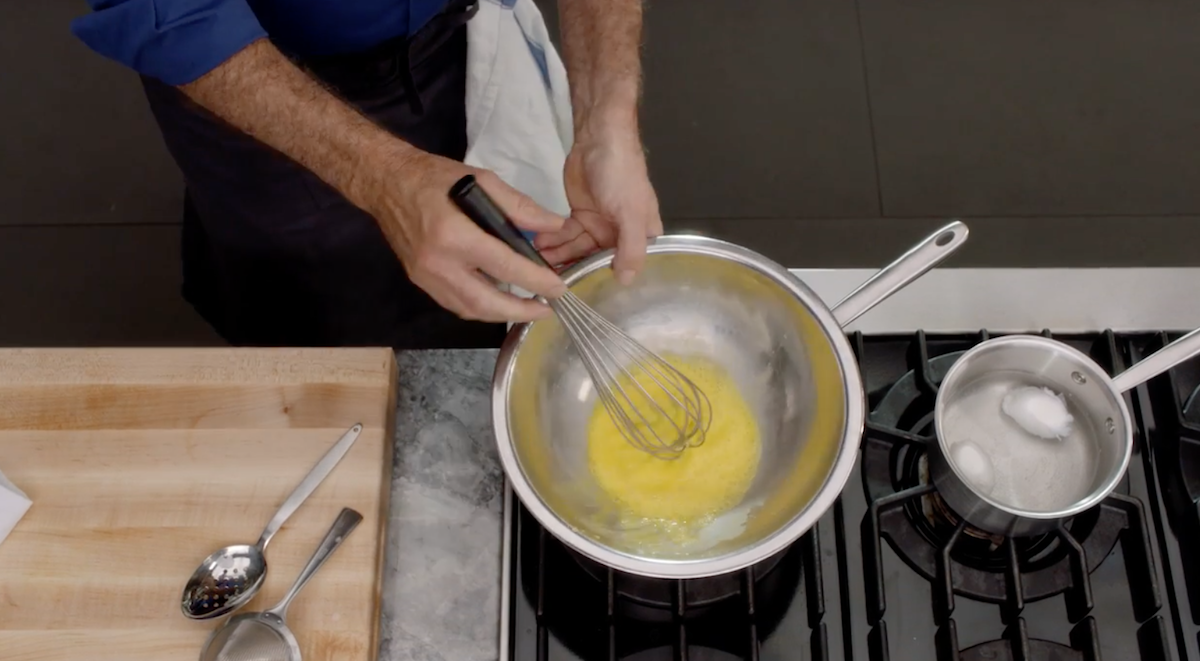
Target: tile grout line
862 51
69 225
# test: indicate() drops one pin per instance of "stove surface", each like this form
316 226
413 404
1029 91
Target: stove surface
891 572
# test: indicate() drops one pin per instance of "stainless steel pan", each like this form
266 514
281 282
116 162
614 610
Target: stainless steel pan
783 346
1003 478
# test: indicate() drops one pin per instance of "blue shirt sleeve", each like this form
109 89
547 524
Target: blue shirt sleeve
176 41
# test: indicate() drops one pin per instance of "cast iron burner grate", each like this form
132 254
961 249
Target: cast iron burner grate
937 590
584 610
905 509
1171 415
914 519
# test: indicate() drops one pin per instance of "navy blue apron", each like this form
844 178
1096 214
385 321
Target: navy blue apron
273 256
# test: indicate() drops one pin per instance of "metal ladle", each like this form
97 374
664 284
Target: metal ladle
231 576
265 636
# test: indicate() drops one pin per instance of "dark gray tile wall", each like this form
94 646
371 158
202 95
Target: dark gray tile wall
758 110
825 133
78 145
89 198
96 285
1071 107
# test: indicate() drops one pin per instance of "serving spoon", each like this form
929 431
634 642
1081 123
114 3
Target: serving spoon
231 576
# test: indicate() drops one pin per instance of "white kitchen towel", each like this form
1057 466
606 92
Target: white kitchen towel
13 505
519 122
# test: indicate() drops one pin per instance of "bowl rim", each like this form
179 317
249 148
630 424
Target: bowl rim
802 522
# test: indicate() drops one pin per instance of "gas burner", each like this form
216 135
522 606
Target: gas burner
694 653
976 548
662 597
720 615
1002 650
1018 646
921 528
936 510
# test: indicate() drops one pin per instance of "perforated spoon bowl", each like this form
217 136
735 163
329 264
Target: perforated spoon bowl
231 576
265 636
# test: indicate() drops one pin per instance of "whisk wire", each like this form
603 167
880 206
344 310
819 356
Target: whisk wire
625 373
618 340
592 349
615 361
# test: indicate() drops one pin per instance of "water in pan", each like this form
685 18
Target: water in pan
1000 459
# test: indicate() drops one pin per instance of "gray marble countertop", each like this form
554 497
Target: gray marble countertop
441 585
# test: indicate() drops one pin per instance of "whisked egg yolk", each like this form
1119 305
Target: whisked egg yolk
705 480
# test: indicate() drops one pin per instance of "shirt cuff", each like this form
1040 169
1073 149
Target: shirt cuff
176 41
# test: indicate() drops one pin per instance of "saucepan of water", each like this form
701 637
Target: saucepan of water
1031 431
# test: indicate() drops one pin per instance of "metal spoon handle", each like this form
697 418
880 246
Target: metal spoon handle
1158 362
341 529
310 483
908 267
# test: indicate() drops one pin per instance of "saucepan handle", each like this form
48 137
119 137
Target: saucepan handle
470 197
893 277
1158 362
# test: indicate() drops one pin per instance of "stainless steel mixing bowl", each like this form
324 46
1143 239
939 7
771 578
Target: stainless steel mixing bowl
779 342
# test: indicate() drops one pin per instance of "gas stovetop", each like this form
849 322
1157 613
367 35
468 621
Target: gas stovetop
891 572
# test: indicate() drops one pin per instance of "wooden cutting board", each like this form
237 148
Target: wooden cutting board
140 462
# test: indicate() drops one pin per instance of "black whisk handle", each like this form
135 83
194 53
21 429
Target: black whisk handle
470 197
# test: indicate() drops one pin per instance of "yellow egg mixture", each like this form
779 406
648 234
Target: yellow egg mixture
705 480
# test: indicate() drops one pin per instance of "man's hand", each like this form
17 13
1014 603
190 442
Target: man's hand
407 190
612 205
612 201
448 256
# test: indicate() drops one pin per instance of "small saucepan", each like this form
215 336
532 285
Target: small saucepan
1031 431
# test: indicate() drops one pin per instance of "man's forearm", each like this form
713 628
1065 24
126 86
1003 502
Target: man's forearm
262 93
602 52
